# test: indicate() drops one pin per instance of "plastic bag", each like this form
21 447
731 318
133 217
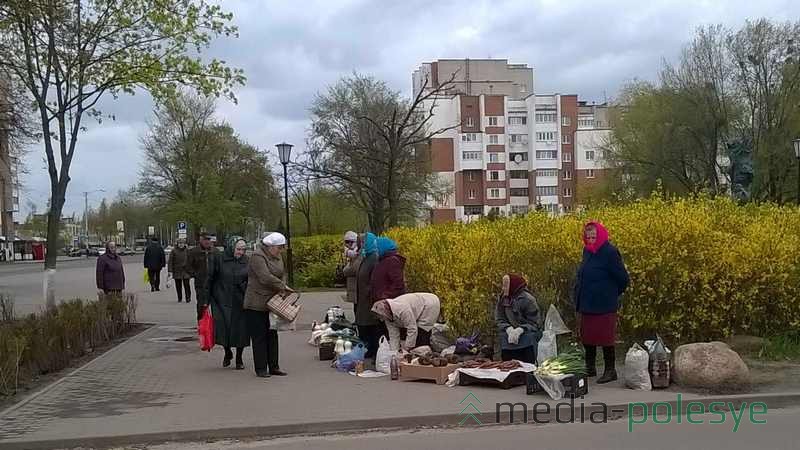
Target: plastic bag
659 365
553 326
468 345
439 339
205 329
449 351
552 385
637 375
169 282
279 324
146 276
347 361
333 313
421 350
383 358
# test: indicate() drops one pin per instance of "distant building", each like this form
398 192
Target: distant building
9 185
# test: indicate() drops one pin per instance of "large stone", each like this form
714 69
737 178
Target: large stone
712 365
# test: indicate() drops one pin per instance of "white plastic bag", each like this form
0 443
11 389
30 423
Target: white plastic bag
276 323
552 385
553 326
637 375
383 358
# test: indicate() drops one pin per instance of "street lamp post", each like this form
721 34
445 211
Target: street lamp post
284 153
796 143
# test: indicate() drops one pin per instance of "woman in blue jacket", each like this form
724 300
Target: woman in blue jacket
601 279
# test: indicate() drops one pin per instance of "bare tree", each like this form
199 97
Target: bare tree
370 141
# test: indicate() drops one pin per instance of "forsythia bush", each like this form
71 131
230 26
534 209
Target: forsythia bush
315 259
700 268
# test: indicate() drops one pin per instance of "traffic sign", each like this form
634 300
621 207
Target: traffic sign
182 226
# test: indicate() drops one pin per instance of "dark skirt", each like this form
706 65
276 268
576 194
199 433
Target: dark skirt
599 329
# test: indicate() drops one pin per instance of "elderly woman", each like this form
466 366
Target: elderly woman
415 313
601 279
266 277
178 269
369 327
519 323
110 273
388 278
353 257
225 288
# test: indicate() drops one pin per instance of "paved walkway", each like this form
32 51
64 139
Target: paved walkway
158 386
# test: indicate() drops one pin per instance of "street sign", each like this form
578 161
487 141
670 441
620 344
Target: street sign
120 226
151 230
182 227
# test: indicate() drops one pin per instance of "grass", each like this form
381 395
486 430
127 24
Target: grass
783 347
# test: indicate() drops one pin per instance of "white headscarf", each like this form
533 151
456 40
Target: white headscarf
351 236
274 239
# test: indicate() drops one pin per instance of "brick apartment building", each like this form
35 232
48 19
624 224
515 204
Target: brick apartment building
511 149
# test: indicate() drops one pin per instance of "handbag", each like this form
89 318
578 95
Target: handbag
285 307
205 329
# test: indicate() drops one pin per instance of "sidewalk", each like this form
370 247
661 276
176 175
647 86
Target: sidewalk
153 388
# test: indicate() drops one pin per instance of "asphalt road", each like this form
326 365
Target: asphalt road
779 433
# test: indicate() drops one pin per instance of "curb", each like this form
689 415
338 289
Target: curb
616 412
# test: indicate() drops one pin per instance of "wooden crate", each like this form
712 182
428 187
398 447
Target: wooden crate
419 372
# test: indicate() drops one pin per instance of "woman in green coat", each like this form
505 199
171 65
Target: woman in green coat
225 288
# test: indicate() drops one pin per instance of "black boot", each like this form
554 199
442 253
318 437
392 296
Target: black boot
239 362
590 356
609 366
226 361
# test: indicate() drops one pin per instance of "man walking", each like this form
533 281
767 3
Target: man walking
154 261
199 260
178 267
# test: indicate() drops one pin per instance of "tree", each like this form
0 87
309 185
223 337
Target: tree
369 142
69 54
197 169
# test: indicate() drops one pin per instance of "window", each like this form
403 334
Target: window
565 121
565 139
586 122
494 139
495 210
590 155
567 192
567 175
590 173
519 209
470 176
472 194
521 156
546 154
518 192
473 210
471 156
519 139
567 157
566 208
546 117
494 193
495 157
547 173
545 136
469 123
469 137
492 121
546 190
518 174
551 208
494 176
515 120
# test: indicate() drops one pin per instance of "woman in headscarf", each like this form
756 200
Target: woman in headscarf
388 277
352 255
519 323
369 327
225 288
601 279
266 277
416 313
110 273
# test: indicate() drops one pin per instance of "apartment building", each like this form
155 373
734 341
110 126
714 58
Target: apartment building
510 150
9 185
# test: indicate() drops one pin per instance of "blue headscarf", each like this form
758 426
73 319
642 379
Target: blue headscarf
385 245
370 245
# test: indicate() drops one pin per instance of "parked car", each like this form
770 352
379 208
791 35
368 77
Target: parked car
126 251
168 249
82 252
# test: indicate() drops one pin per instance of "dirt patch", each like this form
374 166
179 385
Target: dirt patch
43 380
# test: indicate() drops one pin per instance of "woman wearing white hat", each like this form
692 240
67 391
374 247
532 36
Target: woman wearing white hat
266 277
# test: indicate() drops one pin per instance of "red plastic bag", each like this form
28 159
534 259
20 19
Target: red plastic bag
205 328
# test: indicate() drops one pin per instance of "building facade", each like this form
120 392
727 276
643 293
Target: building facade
9 186
508 150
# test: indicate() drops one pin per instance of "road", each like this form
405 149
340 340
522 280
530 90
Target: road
779 433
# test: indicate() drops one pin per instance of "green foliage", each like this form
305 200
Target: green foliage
315 259
782 347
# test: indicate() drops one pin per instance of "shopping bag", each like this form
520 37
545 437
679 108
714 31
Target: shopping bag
383 358
548 344
276 323
146 276
169 282
347 361
637 374
285 307
205 329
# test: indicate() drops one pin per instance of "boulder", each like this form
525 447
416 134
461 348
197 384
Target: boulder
712 365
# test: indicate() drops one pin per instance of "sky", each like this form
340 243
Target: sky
290 51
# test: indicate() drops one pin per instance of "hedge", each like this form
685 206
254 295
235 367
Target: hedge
700 268
315 259
51 340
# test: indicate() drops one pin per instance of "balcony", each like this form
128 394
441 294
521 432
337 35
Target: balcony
471 160
518 183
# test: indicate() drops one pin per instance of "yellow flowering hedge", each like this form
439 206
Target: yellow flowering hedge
700 268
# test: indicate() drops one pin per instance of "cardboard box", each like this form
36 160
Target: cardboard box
418 372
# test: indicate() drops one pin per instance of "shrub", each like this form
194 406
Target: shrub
700 268
315 259
49 341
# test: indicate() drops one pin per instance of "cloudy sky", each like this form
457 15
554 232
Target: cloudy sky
291 50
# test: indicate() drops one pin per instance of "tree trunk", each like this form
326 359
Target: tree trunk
51 256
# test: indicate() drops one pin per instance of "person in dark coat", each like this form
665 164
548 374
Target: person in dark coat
369 326
110 272
601 279
199 257
225 288
178 269
519 323
388 277
154 261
